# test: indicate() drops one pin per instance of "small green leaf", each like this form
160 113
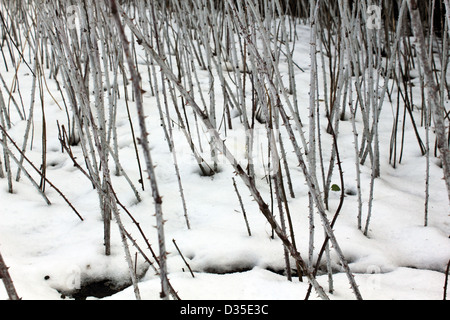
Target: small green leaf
335 187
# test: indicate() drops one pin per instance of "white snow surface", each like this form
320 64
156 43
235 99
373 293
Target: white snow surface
49 250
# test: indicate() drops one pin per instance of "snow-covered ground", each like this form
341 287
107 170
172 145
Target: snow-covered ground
50 250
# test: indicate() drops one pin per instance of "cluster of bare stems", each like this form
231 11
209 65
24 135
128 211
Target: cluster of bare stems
245 50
